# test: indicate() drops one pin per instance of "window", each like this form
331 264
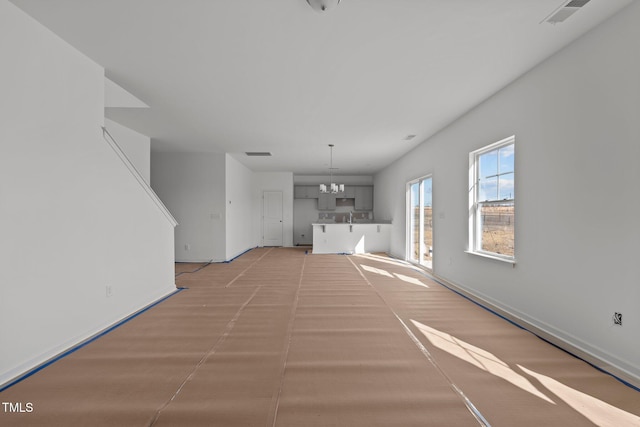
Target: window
420 222
492 200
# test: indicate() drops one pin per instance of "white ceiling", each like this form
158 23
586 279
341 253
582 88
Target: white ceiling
274 75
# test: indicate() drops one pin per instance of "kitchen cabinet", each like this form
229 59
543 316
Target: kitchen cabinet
306 192
349 192
363 198
313 191
326 202
362 195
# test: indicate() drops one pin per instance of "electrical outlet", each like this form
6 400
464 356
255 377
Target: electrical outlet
108 291
617 318
187 247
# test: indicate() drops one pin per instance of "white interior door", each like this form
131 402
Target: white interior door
272 218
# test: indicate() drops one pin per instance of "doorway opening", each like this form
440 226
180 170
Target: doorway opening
420 221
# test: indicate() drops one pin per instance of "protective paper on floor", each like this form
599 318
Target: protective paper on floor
281 338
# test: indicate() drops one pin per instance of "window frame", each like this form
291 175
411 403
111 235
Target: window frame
475 204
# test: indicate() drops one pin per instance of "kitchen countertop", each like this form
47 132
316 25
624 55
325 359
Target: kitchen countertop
381 222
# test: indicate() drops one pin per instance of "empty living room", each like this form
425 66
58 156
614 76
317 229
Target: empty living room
319 213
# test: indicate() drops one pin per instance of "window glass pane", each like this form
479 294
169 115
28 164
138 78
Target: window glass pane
427 192
505 170
488 189
497 222
415 194
505 187
506 159
488 164
487 174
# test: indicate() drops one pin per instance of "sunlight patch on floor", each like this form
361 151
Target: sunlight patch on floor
385 259
411 280
376 270
599 412
479 358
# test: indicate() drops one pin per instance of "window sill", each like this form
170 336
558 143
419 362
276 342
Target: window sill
511 261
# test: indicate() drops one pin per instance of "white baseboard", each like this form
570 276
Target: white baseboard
563 341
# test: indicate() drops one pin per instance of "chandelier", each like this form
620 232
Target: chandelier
333 187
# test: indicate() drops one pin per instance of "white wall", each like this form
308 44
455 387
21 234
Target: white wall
577 127
136 146
192 186
73 220
273 181
240 234
305 212
217 202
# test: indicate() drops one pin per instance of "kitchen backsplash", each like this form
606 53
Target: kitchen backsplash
344 216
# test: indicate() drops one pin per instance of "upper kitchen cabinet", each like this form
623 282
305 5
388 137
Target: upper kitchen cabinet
306 191
363 198
326 202
349 192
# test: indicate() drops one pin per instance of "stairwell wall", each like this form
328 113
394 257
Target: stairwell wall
83 245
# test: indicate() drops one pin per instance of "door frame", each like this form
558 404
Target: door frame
409 216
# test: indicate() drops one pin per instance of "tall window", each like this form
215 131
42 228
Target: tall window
492 200
420 220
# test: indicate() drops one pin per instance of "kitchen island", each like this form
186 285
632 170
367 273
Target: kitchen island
356 238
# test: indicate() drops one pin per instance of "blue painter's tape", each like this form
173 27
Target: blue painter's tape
87 341
238 256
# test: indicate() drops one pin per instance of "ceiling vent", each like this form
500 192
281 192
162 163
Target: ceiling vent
258 153
565 11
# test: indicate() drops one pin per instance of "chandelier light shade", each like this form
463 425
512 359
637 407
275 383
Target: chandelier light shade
333 187
322 5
